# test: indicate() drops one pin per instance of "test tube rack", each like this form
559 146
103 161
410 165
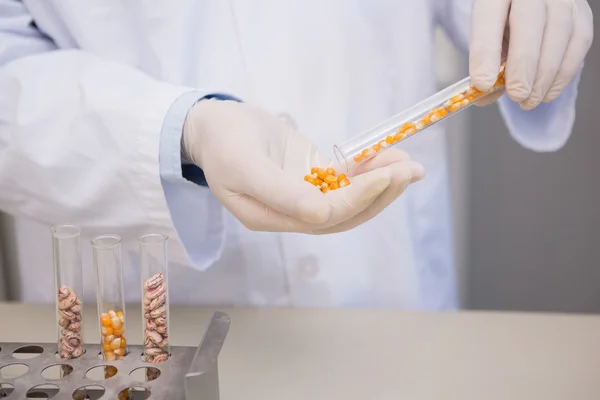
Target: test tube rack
190 372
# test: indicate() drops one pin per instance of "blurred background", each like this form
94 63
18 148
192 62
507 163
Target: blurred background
526 224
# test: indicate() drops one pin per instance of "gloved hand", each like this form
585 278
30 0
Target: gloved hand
546 42
255 163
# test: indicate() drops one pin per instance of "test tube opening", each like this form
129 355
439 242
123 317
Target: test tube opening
69 288
105 242
108 268
339 155
155 297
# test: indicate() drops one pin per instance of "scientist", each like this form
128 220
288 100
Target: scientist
111 117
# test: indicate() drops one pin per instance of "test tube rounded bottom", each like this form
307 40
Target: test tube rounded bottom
156 335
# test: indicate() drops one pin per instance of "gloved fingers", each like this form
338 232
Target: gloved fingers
490 98
579 45
388 157
557 34
487 35
403 174
342 204
527 24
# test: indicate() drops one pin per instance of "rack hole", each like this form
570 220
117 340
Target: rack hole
57 371
101 372
135 393
89 392
5 390
45 391
145 374
12 371
27 352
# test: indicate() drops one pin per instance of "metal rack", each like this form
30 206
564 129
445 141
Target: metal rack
190 373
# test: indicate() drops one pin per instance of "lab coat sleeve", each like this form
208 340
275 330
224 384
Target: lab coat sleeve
548 127
96 143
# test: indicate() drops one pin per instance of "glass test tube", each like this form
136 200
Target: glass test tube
153 268
436 108
69 287
111 300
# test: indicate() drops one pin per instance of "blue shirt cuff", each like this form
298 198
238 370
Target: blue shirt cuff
171 167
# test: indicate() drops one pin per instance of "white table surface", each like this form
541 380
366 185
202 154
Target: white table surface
375 355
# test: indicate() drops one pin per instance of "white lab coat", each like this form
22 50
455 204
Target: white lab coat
80 135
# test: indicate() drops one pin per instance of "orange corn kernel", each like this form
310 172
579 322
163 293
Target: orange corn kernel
115 344
471 98
334 186
109 356
342 176
408 126
458 97
107 330
411 131
399 136
116 322
106 347
436 117
455 107
319 182
358 158
118 332
329 179
325 189
105 320
426 120
344 182
389 140
330 171
367 152
321 174
376 147
464 103
443 112
120 315
314 170
123 343
383 144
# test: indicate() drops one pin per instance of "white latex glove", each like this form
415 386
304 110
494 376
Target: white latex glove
546 42
255 165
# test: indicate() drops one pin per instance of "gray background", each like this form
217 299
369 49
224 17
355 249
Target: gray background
535 218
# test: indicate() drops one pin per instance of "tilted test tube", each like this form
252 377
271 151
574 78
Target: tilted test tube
400 127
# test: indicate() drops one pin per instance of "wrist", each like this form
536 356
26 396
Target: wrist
197 118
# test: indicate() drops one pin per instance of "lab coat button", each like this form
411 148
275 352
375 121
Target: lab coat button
308 267
288 119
